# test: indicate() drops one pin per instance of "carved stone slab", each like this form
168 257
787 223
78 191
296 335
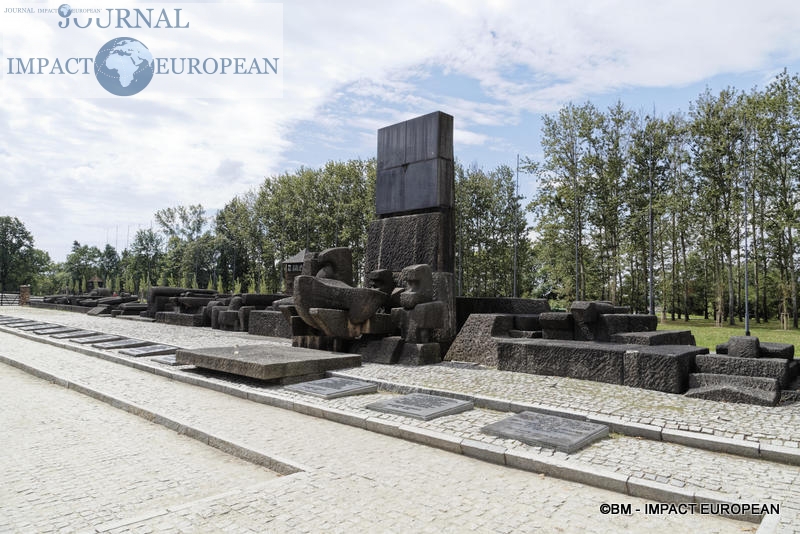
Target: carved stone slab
332 388
36 326
12 320
97 338
75 334
121 344
267 362
54 330
552 431
421 406
149 350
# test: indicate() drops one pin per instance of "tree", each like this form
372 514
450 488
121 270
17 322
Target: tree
16 247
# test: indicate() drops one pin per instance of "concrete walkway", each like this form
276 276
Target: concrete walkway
351 479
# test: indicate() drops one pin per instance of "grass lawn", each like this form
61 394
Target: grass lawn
708 335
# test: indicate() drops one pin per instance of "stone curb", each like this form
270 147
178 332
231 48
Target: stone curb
554 467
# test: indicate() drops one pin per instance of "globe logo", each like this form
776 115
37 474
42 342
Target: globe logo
64 10
123 66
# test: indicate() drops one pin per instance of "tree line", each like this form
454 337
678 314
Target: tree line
623 197
707 189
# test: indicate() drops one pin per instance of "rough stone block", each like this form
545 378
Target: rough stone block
416 186
743 347
268 323
386 350
466 306
180 319
721 364
575 359
659 337
396 242
618 323
420 354
664 370
475 341
528 322
103 309
777 350
425 137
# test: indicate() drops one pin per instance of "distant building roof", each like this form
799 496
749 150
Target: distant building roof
297 258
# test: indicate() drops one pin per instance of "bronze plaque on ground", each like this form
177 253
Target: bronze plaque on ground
333 388
551 431
421 406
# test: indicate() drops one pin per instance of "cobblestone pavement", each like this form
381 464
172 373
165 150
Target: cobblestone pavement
338 464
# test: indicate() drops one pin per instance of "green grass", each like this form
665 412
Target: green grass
706 334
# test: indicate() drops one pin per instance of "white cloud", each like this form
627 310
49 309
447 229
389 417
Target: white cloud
76 167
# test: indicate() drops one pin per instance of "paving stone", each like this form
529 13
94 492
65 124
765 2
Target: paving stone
74 334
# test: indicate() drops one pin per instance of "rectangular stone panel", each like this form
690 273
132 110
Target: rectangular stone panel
46 331
551 431
74 334
333 388
397 242
425 137
421 406
267 362
121 344
36 326
417 186
149 350
98 338
166 360
22 323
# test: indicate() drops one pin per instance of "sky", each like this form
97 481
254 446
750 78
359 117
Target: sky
95 170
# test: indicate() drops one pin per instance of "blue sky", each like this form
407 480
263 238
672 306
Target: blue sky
92 170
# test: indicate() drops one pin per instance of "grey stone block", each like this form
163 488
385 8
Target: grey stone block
527 322
743 347
420 354
575 359
730 388
466 306
425 137
267 362
777 350
421 406
394 243
386 350
611 324
180 319
416 186
268 323
721 364
557 325
543 430
659 337
475 341
666 370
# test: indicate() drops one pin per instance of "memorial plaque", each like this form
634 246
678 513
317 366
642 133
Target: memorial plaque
166 360
333 388
6 319
37 326
70 335
122 344
20 323
543 430
97 338
421 406
54 330
149 350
